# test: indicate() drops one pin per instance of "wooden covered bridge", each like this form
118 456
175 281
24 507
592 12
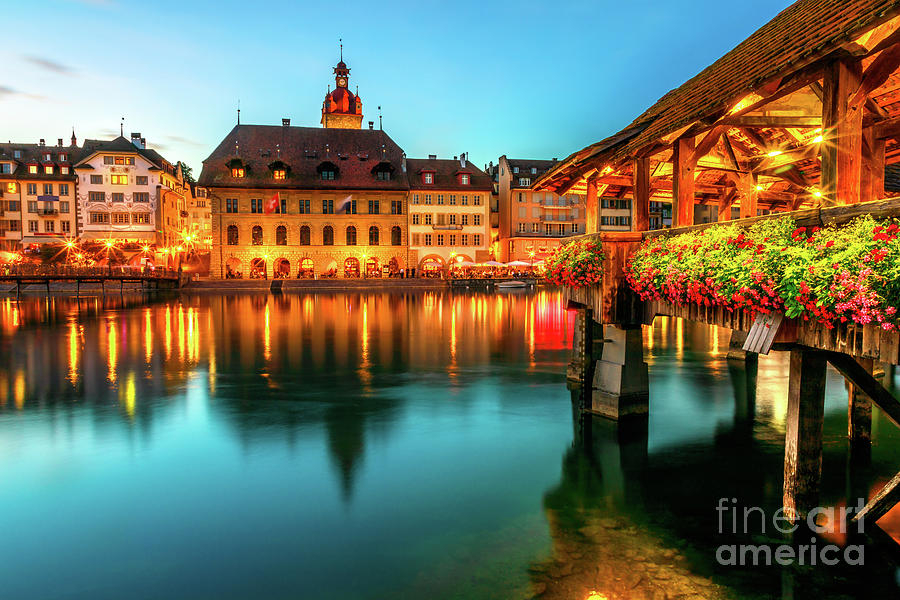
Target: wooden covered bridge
803 117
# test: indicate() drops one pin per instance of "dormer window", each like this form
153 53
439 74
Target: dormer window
382 171
63 157
524 181
428 178
279 174
47 157
48 170
237 172
464 179
516 170
328 171
534 170
64 170
32 169
17 154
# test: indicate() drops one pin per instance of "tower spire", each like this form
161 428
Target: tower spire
341 42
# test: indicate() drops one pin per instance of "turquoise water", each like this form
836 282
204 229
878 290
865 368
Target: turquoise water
381 446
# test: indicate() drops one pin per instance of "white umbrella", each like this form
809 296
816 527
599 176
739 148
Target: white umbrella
463 263
493 263
518 263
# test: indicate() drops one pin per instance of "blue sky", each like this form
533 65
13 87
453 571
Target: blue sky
526 79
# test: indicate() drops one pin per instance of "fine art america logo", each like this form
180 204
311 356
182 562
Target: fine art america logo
828 522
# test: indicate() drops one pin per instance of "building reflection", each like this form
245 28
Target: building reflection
272 365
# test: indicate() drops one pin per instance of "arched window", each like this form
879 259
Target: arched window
304 235
281 235
232 235
373 236
395 235
351 236
328 236
256 235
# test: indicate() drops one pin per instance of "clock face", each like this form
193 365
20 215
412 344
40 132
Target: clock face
342 82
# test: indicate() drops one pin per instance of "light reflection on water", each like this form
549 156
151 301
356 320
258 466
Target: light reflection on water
375 445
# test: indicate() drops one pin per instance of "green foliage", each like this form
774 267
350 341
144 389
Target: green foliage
576 264
832 275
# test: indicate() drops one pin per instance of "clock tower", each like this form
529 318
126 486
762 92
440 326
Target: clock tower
342 109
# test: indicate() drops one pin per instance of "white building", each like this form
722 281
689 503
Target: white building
449 213
120 183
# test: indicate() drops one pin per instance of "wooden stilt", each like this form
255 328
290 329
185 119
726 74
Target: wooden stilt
803 436
880 503
859 417
858 375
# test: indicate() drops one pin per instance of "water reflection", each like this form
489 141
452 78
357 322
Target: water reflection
380 446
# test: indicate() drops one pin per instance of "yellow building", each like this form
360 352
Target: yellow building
37 194
449 213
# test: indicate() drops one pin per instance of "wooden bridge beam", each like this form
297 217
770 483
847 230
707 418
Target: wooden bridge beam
641 203
841 150
592 206
804 430
683 186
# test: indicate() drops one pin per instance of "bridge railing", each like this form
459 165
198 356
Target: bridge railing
73 272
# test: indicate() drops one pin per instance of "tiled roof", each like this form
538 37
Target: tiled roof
445 175
801 34
355 152
121 145
525 166
32 154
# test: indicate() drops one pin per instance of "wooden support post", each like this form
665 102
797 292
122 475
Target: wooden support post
803 435
749 196
683 182
871 185
880 503
641 204
859 416
725 203
592 206
842 131
855 372
582 345
736 347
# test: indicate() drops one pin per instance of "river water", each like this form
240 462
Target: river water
387 446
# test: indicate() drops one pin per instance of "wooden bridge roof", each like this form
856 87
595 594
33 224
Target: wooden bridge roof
767 92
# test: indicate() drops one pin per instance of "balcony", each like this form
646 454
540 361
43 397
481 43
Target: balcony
48 212
446 227
557 218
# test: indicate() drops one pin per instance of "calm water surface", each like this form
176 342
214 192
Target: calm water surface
384 446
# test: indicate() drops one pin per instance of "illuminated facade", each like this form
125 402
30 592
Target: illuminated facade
37 194
532 224
306 202
449 212
127 191
342 109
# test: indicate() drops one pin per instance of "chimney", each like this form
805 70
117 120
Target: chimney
285 122
554 159
432 157
136 139
462 160
403 163
143 142
371 125
59 142
42 142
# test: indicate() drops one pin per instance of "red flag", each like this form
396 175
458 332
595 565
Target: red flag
272 205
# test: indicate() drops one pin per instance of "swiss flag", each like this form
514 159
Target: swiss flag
272 205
